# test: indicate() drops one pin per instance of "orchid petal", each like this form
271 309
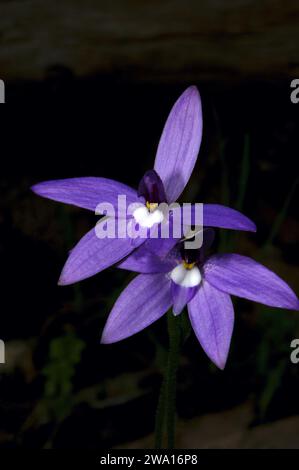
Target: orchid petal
144 260
179 144
92 255
211 314
144 301
244 277
213 215
216 215
86 192
181 296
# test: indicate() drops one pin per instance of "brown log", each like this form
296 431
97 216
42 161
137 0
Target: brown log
151 39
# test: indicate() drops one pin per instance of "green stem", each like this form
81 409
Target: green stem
281 216
172 366
167 400
160 416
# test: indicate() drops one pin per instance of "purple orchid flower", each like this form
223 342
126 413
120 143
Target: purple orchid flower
204 284
176 156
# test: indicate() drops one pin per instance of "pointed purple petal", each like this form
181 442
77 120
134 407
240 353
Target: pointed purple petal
86 192
144 260
216 215
181 296
211 314
179 144
145 300
92 255
244 277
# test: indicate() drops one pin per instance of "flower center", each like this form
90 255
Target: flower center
188 265
149 215
186 275
152 206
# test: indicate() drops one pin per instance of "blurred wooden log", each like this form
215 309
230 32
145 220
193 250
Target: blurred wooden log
230 430
151 40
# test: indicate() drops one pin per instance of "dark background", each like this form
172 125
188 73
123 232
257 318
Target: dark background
93 102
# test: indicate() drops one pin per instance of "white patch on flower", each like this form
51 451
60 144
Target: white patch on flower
185 277
147 219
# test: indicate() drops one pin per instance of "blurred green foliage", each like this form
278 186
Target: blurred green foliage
64 355
276 327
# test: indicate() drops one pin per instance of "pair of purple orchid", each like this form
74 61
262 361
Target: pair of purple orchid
169 275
